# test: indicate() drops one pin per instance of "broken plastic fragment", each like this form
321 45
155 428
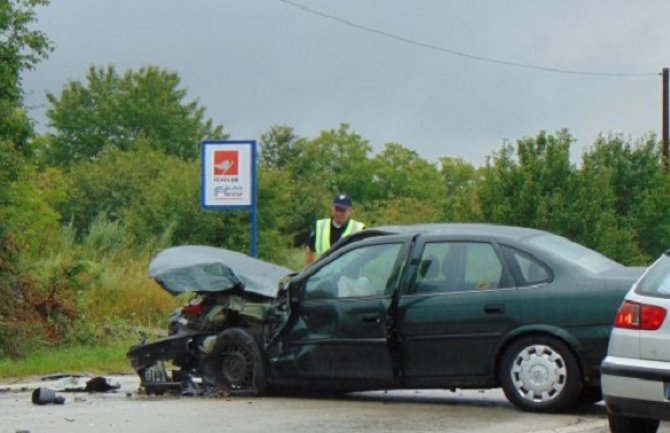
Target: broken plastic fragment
42 396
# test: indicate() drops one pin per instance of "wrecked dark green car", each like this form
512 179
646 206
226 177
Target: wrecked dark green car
423 306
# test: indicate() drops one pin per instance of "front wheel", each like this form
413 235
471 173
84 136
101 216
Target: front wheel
238 363
540 374
627 424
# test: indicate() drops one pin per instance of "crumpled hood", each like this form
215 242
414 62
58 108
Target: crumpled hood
196 268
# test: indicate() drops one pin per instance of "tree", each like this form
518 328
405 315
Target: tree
277 147
460 202
400 172
532 189
110 111
21 48
337 160
617 202
624 191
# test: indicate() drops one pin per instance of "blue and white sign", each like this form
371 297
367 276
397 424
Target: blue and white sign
229 178
228 174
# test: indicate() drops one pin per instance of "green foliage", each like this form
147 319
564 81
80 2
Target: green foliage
110 184
400 172
616 203
112 112
624 187
460 202
29 212
21 48
532 189
277 147
401 210
332 158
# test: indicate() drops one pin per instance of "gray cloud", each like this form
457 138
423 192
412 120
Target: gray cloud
254 64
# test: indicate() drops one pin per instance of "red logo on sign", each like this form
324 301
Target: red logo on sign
226 162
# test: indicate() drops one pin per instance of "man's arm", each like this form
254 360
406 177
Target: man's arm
309 255
310 248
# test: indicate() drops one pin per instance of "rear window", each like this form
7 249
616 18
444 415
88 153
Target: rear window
527 270
656 281
584 257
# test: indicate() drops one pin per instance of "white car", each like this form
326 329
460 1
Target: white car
636 372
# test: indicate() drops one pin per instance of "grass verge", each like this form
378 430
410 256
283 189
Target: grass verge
107 358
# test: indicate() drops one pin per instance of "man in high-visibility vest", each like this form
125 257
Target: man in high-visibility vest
329 230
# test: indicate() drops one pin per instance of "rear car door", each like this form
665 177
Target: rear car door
459 301
340 325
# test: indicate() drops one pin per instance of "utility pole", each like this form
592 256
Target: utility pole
665 119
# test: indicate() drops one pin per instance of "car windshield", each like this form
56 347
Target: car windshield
586 258
657 280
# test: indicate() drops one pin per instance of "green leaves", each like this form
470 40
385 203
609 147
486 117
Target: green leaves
20 47
110 111
615 202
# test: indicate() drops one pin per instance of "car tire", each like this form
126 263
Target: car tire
238 363
540 374
628 424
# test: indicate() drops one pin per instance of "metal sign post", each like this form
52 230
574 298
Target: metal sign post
228 176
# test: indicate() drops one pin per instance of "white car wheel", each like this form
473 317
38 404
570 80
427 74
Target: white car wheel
539 373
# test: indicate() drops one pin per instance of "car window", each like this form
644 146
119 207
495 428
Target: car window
657 280
365 271
526 269
459 266
584 257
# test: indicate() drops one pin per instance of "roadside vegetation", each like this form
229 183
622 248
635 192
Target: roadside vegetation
117 177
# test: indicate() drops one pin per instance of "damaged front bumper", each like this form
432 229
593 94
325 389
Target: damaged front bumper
148 361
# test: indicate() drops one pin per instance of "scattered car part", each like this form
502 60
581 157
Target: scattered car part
43 395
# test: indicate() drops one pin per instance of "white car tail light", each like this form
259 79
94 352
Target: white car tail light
633 315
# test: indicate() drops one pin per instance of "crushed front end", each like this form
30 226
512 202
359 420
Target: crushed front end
230 291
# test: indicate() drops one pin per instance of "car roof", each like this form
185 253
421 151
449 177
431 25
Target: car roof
501 231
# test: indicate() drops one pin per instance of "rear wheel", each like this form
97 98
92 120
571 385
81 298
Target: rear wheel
238 363
540 374
627 424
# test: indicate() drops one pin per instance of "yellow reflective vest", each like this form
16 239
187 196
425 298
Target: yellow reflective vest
322 233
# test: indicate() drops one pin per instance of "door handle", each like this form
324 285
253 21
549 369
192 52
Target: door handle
494 309
371 318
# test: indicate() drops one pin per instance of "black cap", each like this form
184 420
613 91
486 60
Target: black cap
342 200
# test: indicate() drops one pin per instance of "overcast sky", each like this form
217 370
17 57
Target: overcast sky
257 63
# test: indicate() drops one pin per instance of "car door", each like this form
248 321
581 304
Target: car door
455 309
340 324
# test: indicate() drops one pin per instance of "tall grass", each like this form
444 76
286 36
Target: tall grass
96 289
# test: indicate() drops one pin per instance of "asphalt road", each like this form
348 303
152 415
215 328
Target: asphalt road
387 412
